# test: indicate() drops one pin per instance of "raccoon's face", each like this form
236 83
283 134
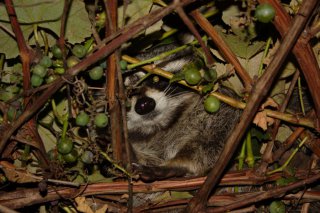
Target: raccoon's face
155 106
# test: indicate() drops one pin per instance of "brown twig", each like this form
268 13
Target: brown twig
223 47
261 89
112 85
27 197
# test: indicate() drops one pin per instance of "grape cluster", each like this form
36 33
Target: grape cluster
193 74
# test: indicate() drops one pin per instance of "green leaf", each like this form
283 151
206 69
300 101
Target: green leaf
135 10
45 14
243 49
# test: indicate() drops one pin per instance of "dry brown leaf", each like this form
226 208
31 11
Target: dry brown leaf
84 206
262 120
270 103
18 175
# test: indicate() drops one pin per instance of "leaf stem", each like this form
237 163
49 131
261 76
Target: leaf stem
250 157
264 55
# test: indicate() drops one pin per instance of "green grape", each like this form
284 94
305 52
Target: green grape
71 157
51 78
36 80
87 157
65 146
72 60
265 13
82 119
192 76
101 120
39 70
96 73
211 104
46 61
79 50
59 70
57 63
56 52
210 75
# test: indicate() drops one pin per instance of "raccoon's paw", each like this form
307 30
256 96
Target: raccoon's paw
153 173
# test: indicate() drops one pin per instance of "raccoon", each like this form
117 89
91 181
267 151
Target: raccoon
170 132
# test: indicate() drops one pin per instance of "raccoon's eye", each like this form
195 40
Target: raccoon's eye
144 105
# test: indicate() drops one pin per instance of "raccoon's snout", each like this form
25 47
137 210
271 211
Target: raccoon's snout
144 105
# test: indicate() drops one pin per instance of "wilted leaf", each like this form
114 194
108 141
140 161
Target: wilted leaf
269 103
84 206
18 175
217 54
262 120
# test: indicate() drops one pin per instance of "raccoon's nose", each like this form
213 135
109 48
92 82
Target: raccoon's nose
144 105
